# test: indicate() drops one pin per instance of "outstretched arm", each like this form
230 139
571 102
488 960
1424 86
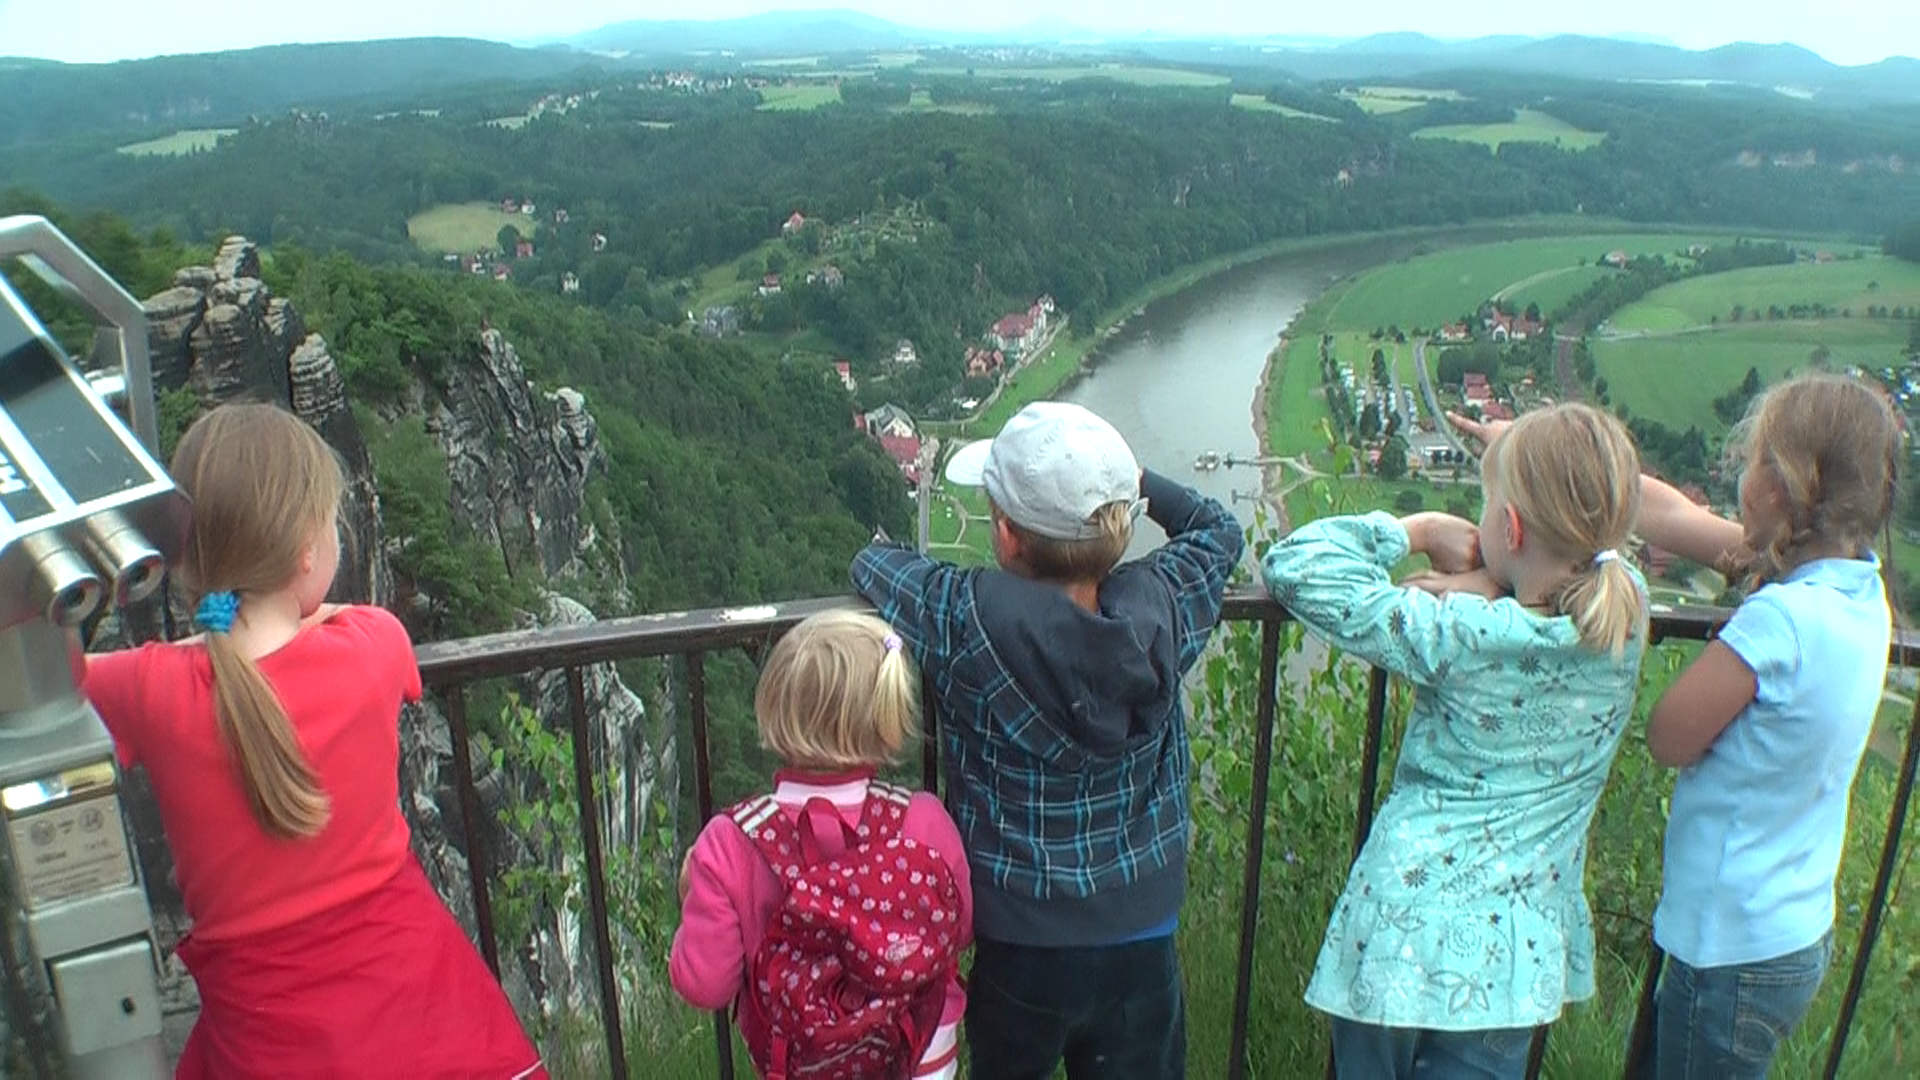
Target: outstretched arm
1670 520
1204 544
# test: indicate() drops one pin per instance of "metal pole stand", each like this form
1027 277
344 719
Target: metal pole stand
82 504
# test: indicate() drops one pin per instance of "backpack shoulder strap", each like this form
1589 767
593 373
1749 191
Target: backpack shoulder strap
772 833
885 811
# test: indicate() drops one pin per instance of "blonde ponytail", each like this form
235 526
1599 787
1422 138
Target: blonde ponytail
1606 606
896 696
280 783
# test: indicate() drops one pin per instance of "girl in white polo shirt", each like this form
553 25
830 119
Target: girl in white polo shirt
1768 726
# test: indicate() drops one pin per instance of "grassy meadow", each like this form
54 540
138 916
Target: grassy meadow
1673 378
1841 285
180 142
1527 125
464 227
1392 99
1138 75
798 97
1258 103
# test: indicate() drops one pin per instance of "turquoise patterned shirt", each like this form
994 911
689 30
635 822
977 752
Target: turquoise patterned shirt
1465 910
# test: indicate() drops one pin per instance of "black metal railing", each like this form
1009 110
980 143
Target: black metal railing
450 667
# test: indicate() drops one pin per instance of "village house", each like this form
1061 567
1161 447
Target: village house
1496 410
1473 387
599 242
1455 332
1616 259
560 217
523 249
845 371
829 276
770 285
984 363
569 283
501 272
720 321
509 206
905 452
888 420
904 355
1013 333
794 223
473 264
527 208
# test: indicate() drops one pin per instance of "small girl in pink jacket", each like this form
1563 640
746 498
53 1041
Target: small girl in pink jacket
837 699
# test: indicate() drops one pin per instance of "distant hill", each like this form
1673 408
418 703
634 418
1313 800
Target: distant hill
772 32
44 101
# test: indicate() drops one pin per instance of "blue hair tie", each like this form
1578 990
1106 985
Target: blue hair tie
217 611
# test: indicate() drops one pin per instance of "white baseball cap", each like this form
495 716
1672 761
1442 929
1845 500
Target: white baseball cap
1050 468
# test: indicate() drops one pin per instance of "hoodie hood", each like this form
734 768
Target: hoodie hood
1110 678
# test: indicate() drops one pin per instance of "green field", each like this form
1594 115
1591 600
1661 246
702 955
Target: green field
1673 378
1429 290
798 97
463 227
1844 284
180 142
1127 73
1392 99
922 101
1527 125
1257 103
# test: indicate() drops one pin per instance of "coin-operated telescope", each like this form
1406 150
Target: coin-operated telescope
86 513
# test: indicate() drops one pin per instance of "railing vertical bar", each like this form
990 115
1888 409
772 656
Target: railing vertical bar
703 798
1369 774
1370 756
479 870
1877 905
929 736
596 875
1640 1043
1537 1052
1264 708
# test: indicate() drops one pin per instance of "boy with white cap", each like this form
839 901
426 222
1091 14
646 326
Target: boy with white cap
1058 678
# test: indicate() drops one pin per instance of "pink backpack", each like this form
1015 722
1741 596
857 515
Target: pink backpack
851 974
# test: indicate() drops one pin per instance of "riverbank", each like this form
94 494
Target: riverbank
1071 360
1273 477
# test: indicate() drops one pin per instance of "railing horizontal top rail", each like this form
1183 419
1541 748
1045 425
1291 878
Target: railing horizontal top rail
445 663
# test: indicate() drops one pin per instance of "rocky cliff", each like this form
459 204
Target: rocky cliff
519 460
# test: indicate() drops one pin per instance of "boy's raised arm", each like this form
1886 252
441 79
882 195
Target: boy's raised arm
1204 544
913 594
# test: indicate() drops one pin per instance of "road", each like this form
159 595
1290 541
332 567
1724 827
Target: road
1433 399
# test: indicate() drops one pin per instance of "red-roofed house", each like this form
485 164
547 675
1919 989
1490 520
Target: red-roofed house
501 272
1013 333
1495 410
1454 332
794 223
1616 258
984 362
845 371
523 249
1473 386
769 284
905 452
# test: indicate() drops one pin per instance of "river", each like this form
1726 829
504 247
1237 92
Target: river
1179 378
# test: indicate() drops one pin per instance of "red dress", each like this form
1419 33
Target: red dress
328 956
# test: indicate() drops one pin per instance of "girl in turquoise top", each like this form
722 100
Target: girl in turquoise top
1463 924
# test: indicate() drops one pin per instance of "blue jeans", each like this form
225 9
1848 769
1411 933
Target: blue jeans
1725 1023
1111 1012
1372 1052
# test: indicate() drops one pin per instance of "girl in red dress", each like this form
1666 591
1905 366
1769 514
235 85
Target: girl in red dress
272 742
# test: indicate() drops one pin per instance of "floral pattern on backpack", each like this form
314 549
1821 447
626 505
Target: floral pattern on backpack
851 975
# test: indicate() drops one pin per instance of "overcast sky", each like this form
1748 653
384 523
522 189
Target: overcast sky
1844 31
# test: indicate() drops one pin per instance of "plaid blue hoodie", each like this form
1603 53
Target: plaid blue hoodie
1064 735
